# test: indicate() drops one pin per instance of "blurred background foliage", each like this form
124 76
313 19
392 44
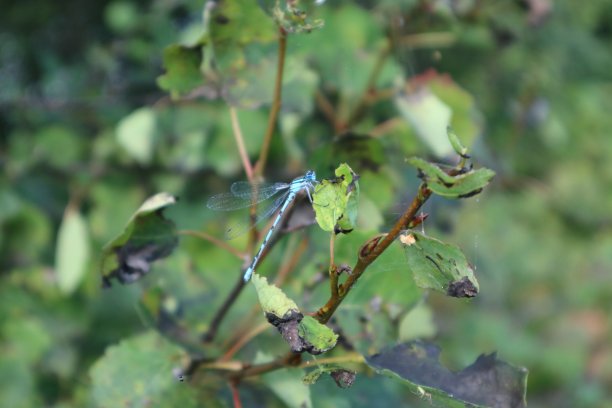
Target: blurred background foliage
86 134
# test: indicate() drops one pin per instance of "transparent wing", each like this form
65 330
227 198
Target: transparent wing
228 202
243 195
244 189
238 228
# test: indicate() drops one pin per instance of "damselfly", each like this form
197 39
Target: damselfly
244 194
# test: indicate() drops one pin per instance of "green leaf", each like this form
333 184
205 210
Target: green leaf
456 143
72 251
362 151
335 201
488 382
243 48
183 74
142 371
147 237
432 102
463 185
439 266
321 337
352 36
429 116
136 134
273 300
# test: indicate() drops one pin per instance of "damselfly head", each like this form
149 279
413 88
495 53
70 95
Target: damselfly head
310 175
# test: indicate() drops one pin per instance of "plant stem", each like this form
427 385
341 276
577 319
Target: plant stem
347 358
246 163
209 336
213 240
244 340
289 359
364 101
276 103
235 394
289 265
327 110
326 311
333 270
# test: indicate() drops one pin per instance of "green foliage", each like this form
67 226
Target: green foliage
433 102
144 364
72 252
335 201
465 184
439 266
182 70
320 336
136 134
87 134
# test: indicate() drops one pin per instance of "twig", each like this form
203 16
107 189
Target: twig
276 104
364 100
235 394
333 270
215 241
385 127
327 109
244 340
346 358
289 265
233 365
332 240
367 256
289 359
209 336
246 163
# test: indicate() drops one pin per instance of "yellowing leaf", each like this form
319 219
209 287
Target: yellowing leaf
272 299
136 134
335 201
72 251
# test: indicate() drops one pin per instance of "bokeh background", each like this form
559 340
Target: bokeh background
87 134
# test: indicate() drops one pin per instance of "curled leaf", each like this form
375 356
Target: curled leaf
273 301
147 237
456 143
466 184
302 333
